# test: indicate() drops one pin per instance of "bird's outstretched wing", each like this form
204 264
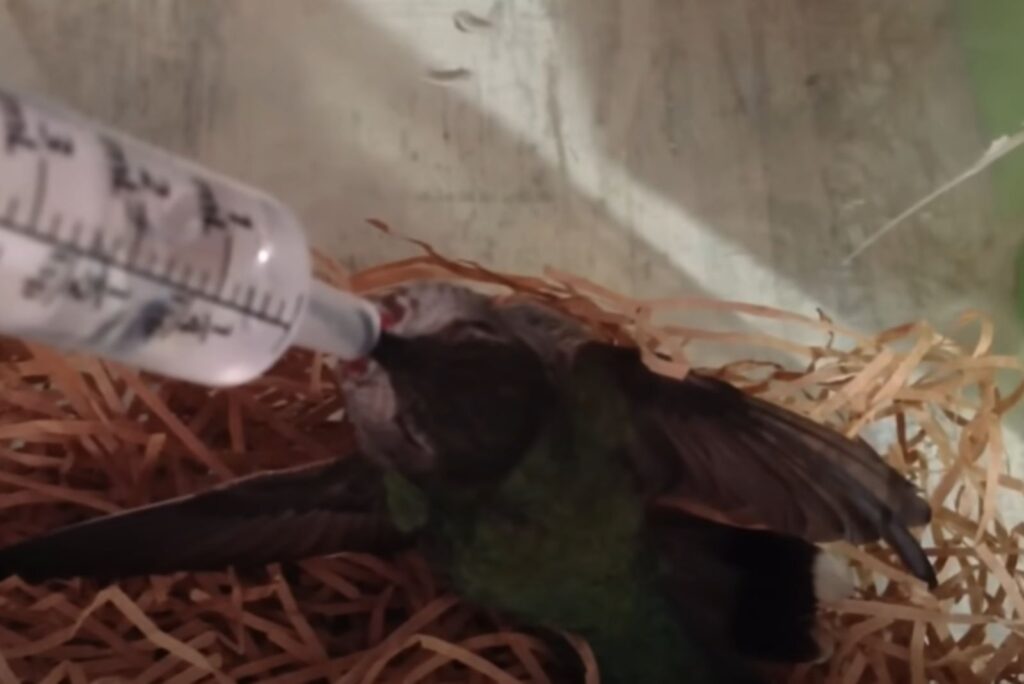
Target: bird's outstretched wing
752 461
315 509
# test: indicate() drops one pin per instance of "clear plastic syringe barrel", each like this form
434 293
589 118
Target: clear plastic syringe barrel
110 246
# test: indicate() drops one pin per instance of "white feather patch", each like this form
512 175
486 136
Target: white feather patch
833 579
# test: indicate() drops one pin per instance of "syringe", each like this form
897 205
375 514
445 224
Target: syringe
110 246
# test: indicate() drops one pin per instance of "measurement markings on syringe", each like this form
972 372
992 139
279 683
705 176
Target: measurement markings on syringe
16 133
179 284
132 183
115 247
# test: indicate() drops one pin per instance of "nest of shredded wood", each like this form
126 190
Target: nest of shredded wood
82 438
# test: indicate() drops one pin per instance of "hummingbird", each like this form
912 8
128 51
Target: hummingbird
528 459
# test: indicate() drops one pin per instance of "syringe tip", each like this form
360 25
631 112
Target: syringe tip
339 323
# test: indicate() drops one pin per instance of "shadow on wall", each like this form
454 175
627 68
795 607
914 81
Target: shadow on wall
797 128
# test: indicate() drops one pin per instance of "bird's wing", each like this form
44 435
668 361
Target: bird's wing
746 459
315 509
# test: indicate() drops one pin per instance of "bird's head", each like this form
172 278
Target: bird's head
425 308
414 311
447 376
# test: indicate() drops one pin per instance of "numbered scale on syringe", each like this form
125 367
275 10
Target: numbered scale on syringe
111 246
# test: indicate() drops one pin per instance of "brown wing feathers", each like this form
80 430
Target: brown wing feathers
316 509
739 455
